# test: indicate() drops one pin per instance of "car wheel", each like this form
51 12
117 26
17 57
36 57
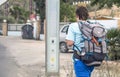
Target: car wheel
63 47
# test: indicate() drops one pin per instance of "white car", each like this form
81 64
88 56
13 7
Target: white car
63 46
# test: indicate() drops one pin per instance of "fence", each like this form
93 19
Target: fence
17 27
13 27
0 26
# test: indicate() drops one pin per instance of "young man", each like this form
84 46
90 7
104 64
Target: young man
74 37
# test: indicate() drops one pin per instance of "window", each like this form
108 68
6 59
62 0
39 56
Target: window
65 29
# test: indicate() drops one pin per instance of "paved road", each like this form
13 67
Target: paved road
26 58
8 67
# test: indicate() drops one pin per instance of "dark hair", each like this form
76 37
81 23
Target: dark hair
82 12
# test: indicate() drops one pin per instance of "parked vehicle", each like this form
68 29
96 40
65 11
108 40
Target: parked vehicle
63 46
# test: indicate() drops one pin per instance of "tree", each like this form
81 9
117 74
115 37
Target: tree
102 3
67 1
19 13
67 12
113 36
40 8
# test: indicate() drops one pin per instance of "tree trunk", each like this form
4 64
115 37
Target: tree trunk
38 30
5 29
45 29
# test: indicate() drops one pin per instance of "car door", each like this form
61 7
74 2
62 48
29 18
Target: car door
63 33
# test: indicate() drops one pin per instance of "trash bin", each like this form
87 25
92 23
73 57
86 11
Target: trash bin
27 31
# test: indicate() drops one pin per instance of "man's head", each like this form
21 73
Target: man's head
82 13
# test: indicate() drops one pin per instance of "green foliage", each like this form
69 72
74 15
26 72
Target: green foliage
114 43
102 3
112 33
19 13
9 19
92 8
67 11
67 1
40 8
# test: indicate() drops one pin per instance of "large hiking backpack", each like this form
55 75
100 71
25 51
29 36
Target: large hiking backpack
95 47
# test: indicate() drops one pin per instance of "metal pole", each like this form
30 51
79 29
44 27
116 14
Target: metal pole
52 38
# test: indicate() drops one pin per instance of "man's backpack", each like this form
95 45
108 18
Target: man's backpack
95 47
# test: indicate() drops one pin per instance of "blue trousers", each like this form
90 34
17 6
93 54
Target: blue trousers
81 70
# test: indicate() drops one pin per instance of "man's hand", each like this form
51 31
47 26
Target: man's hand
69 42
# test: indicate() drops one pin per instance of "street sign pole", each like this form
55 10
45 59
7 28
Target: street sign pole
52 38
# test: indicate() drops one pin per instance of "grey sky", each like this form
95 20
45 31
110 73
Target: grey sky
2 1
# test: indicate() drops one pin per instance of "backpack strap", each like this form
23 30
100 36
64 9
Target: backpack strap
80 27
74 46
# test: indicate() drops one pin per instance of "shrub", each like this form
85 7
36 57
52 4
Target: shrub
113 36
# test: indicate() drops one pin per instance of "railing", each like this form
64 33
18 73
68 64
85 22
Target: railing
0 26
15 27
